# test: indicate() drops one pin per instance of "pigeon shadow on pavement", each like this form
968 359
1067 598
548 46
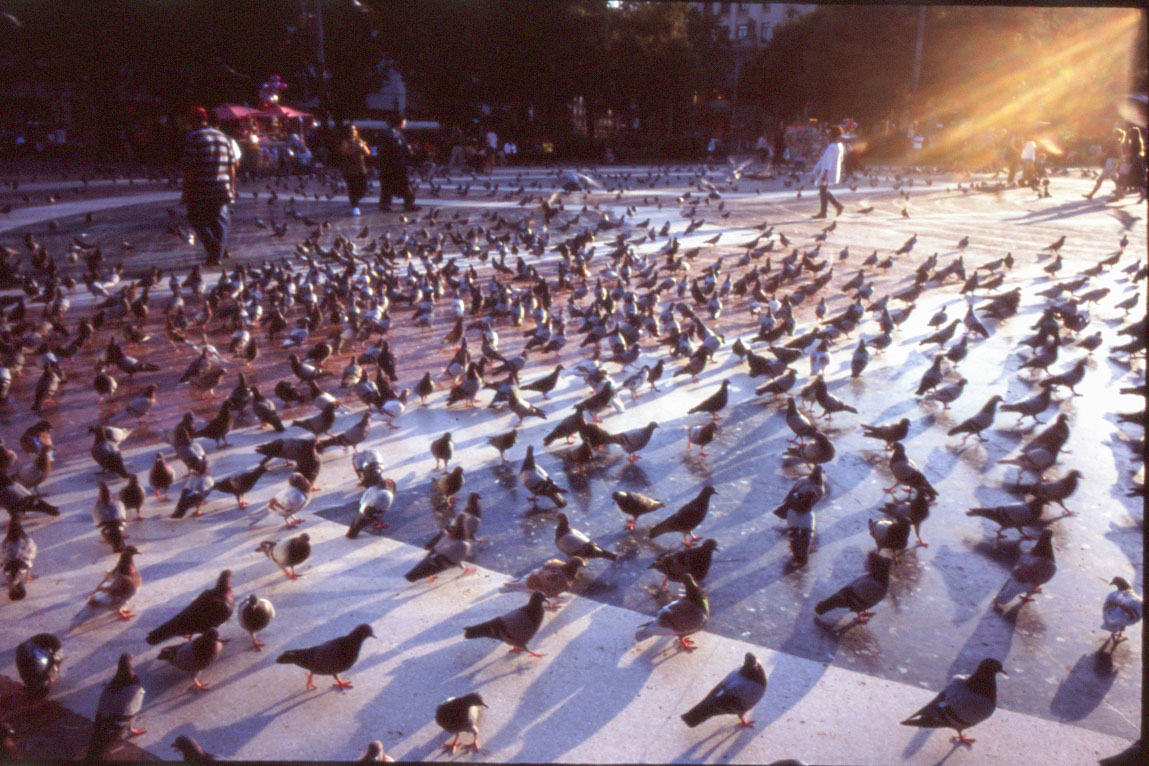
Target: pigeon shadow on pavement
1084 688
730 741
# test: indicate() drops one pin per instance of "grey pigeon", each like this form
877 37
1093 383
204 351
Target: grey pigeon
516 627
1035 568
1122 608
864 592
331 658
734 695
460 714
120 703
965 702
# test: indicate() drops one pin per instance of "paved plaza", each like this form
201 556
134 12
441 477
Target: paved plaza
836 690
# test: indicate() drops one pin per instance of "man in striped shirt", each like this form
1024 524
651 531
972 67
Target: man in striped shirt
209 164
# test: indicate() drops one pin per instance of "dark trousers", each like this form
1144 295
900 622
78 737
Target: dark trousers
356 188
393 182
210 220
826 198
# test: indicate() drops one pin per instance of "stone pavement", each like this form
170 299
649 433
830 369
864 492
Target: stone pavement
595 688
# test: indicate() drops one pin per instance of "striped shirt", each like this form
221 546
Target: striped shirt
209 157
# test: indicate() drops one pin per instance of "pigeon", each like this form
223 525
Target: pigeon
714 403
906 473
545 384
114 591
133 496
240 483
287 554
572 542
1033 569
686 561
254 615
503 442
1015 515
736 695
916 509
892 535
964 703
1122 608
863 592
352 437
194 494
291 500
120 703
460 714
686 518
634 505
680 618
330 658
190 750
552 579
634 440
516 627
375 752
195 655
449 548
538 482
38 663
110 517
947 395
1031 407
890 433
701 435
210 609
973 426
1050 491
797 422
442 449
818 450
19 553
375 501
449 484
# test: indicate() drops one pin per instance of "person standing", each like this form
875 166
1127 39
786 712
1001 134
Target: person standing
353 154
828 170
1029 163
209 165
393 155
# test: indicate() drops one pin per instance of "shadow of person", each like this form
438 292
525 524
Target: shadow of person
1084 688
566 703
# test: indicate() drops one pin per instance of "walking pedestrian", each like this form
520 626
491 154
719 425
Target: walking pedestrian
393 155
209 165
353 153
828 171
1112 162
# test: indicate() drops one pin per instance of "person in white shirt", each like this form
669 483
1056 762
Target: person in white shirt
829 171
1029 163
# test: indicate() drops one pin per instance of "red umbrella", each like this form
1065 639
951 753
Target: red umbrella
233 112
281 111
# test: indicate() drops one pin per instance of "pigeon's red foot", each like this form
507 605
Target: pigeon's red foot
341 684
256 644
125 614
310 683
686 644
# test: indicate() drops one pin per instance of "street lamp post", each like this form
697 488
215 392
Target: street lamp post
321 60
738 48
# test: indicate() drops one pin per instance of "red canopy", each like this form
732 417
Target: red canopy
282 112
233 112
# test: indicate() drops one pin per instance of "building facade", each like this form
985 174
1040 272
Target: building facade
753 24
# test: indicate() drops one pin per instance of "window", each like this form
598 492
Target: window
743 31
765 33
